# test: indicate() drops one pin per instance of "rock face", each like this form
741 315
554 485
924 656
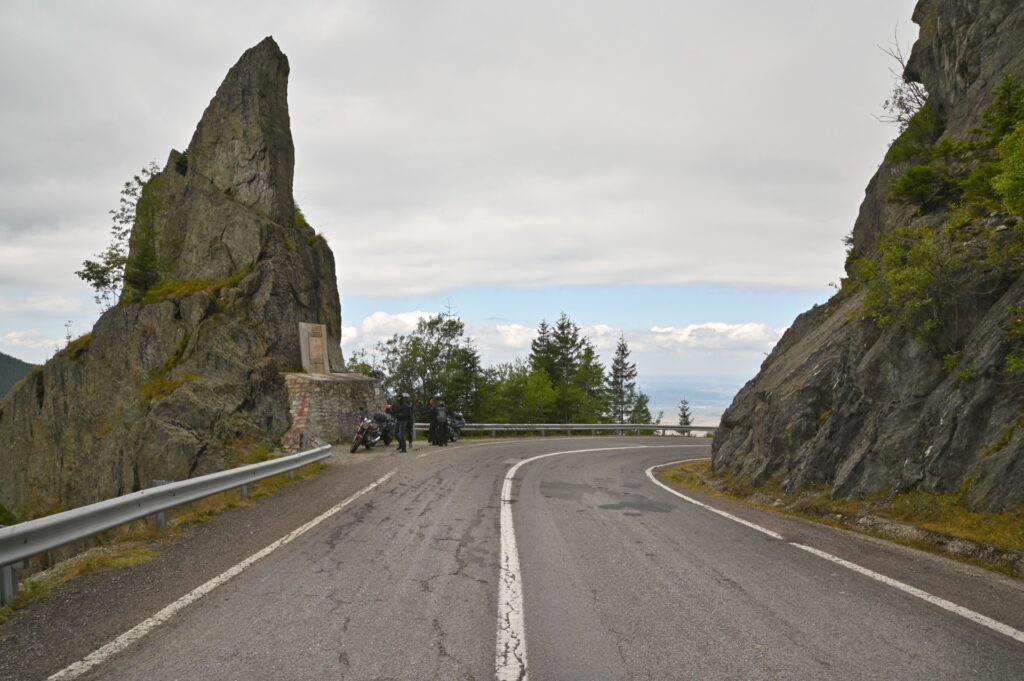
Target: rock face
862 409
186 372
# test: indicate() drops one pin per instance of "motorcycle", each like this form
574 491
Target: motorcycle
371 431
455 424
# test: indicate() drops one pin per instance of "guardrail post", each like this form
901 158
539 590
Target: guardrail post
160 518
244 491
9 582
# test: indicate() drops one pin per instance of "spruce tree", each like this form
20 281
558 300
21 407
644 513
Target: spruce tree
621 385
685 417
542 351
567 348
641 411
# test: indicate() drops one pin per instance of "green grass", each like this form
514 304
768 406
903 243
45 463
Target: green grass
1003 439
160 386
176 289
945 514
76 347
101 559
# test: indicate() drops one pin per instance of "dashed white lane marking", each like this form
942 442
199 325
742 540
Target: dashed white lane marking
510 650
129 637
949 606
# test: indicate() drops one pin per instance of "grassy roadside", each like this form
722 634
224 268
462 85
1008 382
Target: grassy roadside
940 523
139 542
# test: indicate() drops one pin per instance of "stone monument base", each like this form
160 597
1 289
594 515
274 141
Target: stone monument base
327 408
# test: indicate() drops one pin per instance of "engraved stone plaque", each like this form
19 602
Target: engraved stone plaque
312 349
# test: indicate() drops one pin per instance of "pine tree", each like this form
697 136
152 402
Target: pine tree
641 412
685 417
567 348
621 383
572 365
542 351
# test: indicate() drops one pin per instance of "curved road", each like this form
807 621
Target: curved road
618 579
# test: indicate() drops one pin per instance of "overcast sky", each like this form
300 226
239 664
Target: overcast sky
680 172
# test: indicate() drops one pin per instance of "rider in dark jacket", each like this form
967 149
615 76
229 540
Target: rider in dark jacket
403 421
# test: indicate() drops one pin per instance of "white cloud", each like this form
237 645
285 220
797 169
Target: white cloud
501 339
750 337
380 326
29 340
40 304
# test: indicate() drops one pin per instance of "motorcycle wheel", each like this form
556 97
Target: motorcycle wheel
454 437
355 445
387 440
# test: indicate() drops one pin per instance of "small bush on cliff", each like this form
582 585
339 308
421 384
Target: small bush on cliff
924 277
1009 181
106 274
917 137
298 219
978 172
930 186
142 269
907 97
1013 329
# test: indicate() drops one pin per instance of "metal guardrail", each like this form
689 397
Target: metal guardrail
595 428
24 540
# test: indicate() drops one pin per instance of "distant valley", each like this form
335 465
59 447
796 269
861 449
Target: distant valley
12 370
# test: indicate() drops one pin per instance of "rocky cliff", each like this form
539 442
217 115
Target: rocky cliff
910 377
185 372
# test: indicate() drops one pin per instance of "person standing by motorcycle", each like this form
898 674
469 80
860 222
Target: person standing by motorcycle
403 422
432 421
441 419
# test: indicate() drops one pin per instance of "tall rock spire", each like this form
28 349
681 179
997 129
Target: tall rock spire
187 370
243 143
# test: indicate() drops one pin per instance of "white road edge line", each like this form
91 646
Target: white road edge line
129 637
510 648
949 606
966 613
730 516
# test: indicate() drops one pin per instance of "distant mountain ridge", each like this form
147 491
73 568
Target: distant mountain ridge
12 370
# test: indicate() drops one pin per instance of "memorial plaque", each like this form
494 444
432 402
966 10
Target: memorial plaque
312 339
316 355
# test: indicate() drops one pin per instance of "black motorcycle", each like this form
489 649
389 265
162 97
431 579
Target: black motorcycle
371 431
455 424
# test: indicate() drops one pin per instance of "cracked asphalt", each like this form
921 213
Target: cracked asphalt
620 580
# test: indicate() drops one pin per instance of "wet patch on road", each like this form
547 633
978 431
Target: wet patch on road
641 505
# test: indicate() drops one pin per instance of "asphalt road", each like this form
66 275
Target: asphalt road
619 579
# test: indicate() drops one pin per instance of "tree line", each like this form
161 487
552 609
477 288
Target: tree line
561 381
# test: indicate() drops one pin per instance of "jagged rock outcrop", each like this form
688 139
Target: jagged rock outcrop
843 402
186 370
